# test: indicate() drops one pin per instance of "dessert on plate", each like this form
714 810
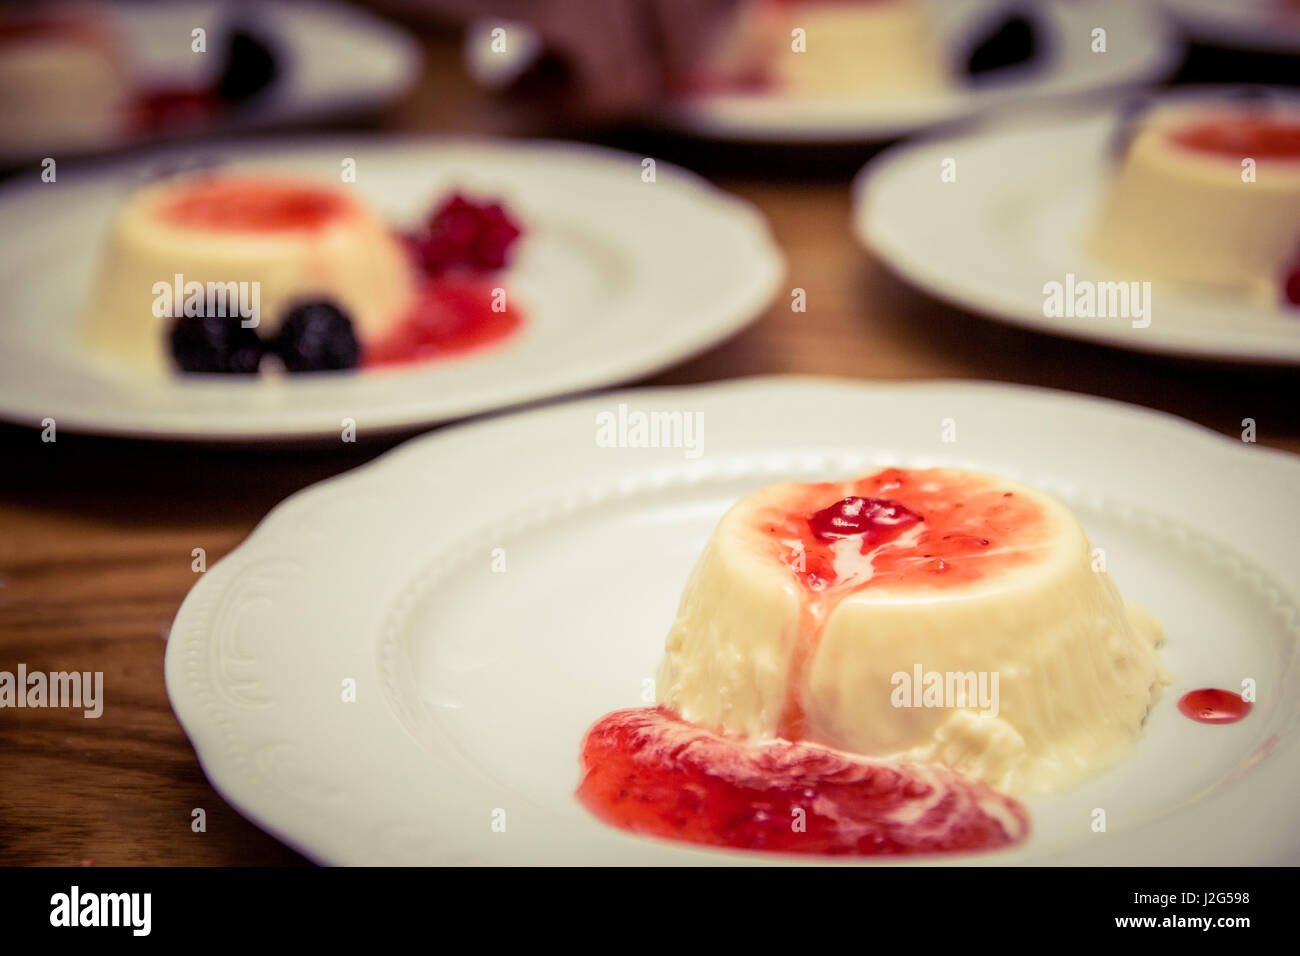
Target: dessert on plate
860 48
209 273
62 80
67 81
1207 193
902 655
874 47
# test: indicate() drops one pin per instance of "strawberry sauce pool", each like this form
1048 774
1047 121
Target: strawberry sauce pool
460 306
451 316
651 773
1209 705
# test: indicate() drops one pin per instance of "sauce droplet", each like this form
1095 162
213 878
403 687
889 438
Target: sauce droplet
1210 705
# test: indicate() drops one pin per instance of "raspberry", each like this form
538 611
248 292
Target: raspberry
1291 286
465 235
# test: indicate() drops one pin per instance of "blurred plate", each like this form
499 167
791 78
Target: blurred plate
616 278
1016 219
1264 26
1140 49
334 59
475 680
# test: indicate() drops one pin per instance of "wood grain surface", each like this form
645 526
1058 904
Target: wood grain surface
96 534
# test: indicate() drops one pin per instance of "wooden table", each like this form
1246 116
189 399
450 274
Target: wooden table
96 534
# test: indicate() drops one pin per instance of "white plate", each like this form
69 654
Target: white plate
1140 49
474 686
1017 218
1263 26
616 278
335 60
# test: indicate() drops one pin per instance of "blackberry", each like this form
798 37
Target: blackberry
202 343
1012 41
317 337
250 67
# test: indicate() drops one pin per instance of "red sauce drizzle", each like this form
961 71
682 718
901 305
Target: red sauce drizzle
647 771
451 316
261 205
1239 137
42 26
969 528
162 108
1210 705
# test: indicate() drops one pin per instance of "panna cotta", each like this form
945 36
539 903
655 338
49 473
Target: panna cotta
938 616
63 82
250 243
67 82
834 47
1207 194
217 272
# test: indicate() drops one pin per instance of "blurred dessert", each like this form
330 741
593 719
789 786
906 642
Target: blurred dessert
249 67
275 241
67 82
853 47
208 273
829 49
62 80
1208 193
884 653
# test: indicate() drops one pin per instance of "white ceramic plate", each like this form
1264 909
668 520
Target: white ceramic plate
1140 49
1265 26
616 277
335 59
475 680
1017 218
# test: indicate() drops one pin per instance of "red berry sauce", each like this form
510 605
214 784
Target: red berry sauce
246 204
967 529
875 520
451 316
1212 706
70 24
458 308
1291 286
649 772
1259 137
162 108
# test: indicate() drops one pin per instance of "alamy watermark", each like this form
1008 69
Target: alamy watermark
129 910
633 428
82 690
213 299
1085 299
950 689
